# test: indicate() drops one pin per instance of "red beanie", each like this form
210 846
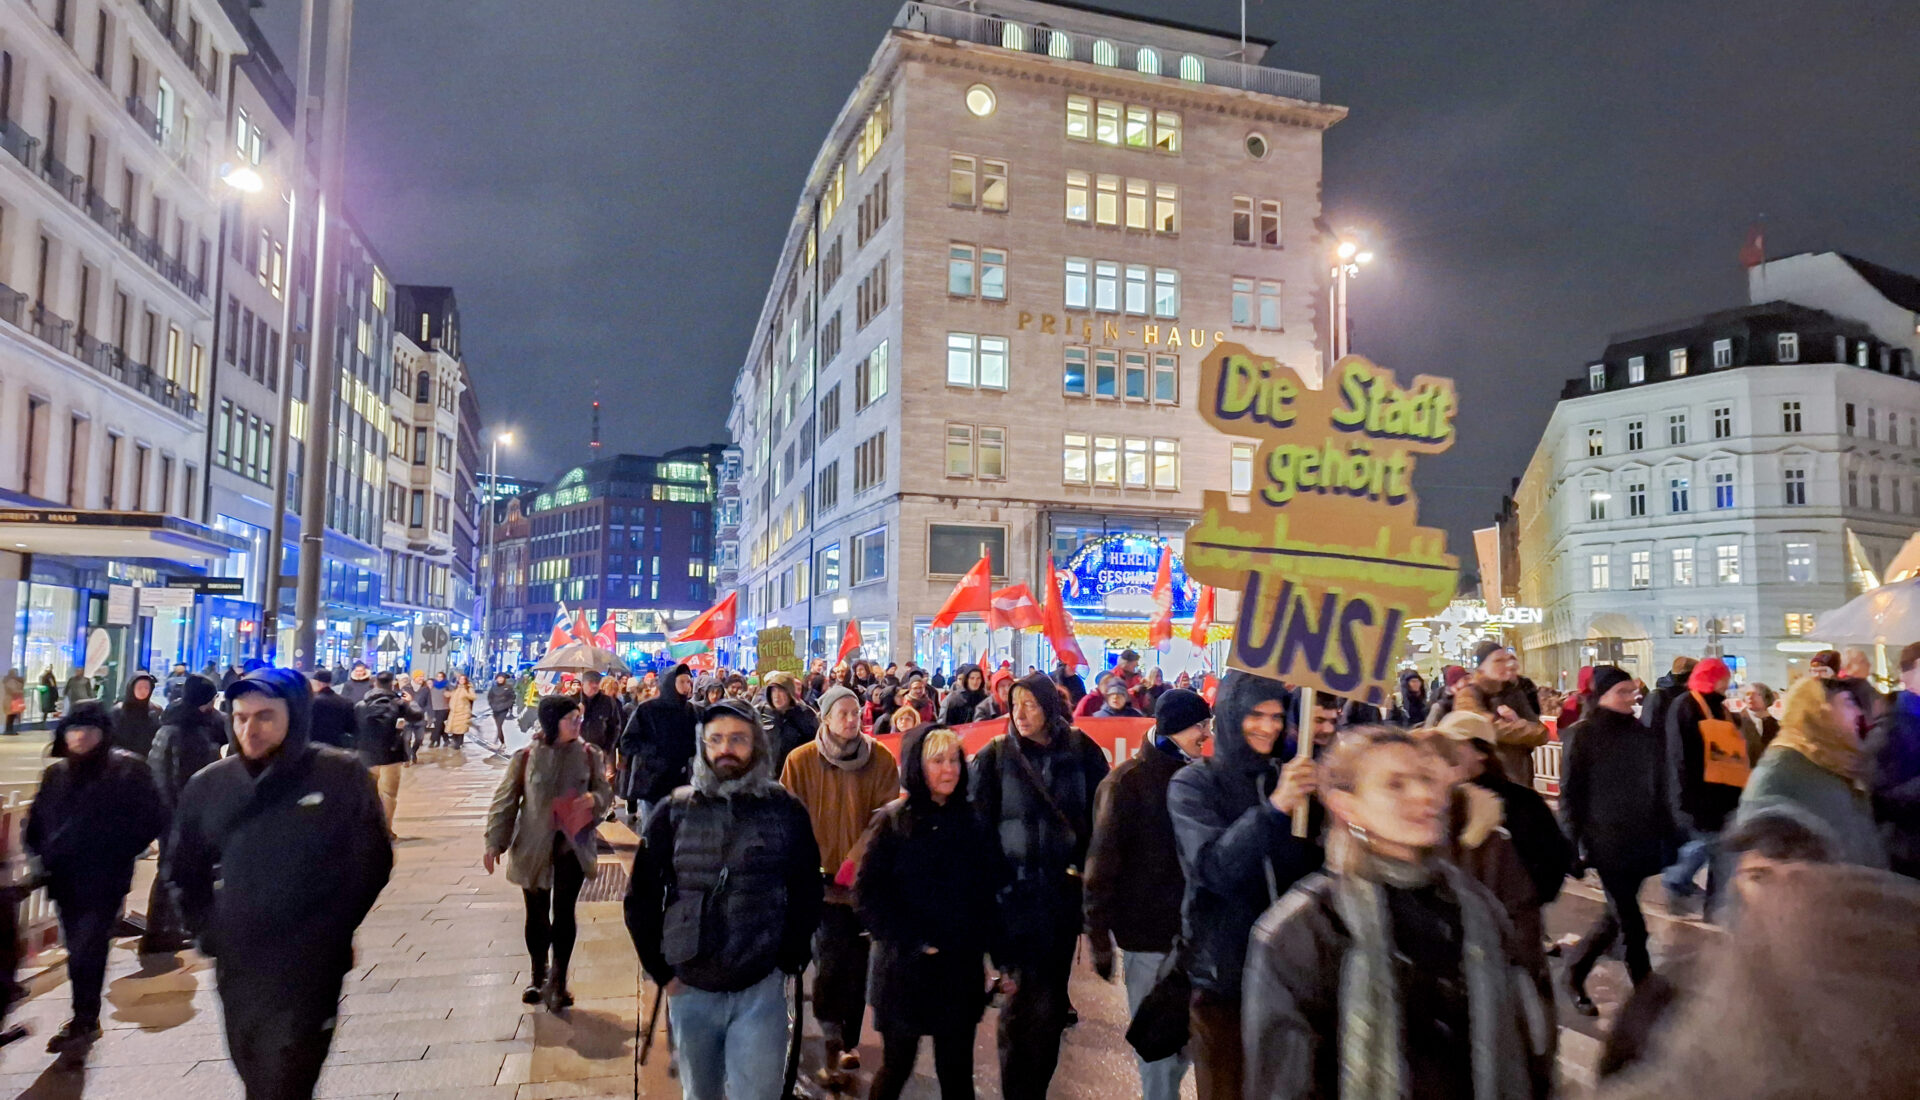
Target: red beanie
1708 674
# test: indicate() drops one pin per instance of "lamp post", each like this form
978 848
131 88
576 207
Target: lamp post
1348 257
493 542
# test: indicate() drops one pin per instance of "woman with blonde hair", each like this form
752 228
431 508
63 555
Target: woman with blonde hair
1392 972
1817 764
460 711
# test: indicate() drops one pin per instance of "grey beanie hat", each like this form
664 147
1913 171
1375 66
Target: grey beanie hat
834 694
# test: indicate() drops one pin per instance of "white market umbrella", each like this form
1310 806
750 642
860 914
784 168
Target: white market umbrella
580 657
1887 615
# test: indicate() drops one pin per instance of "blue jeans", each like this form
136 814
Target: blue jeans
1702 851
1158 1080
732 1046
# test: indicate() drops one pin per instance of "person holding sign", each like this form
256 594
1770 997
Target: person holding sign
542 820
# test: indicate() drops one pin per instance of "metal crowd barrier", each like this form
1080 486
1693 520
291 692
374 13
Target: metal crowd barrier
38 928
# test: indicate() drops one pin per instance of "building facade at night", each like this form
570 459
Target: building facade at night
631 536
1025 229
1712 485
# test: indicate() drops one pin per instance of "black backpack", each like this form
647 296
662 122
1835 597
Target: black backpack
377 727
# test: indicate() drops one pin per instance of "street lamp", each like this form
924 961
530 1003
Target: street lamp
493 567
1349 256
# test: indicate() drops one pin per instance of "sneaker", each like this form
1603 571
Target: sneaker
850 1060
532 994
73 1036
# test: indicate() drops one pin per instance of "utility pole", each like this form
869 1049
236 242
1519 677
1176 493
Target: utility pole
275 564
320 391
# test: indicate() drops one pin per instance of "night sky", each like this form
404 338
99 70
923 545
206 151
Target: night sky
606 183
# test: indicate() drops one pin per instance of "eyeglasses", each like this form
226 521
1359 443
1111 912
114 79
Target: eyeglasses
728 740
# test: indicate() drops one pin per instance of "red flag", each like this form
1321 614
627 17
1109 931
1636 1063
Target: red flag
849 642
1057 625
608 636
1160 626
1013 606
1754 252
973 593
580 631
559 637
1202 616
715 622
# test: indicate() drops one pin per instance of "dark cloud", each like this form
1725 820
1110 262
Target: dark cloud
608 182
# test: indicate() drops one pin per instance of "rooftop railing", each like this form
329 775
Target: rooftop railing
1038 38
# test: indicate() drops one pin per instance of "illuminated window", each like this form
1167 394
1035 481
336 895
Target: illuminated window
1106 203
1079 118
1077 197
1106 460
1074 458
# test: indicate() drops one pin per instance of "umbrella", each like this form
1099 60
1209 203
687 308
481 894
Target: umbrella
580 657
1887 615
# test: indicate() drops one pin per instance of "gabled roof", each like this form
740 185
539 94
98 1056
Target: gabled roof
1897 287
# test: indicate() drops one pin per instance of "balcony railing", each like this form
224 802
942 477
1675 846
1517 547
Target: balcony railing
148 121
171 32
64 181
51 328
60 334
1038 38
17 142
13 306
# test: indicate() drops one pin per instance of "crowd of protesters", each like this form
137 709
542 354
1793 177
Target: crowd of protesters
1303 896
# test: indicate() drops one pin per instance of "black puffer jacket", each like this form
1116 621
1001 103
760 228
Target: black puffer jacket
1230 836
1614 794
135 720
190 738
91 818
964 699
298 846
931 877
1042 904
334 722
790 729
500 699
378 737
726 885
658 742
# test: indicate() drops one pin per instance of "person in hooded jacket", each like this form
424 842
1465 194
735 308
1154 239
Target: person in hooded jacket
1117 701
359 682
294 835
135 718
1703 807
333 720
1410 703
500 700
1818 764
1653 708
722 905
659 743
995 704
969 691
1616 808
1065 675
927 890
191 736
1033 786
792 722
95 812
381 740
876 717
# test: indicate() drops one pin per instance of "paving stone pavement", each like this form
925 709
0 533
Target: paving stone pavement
431 1010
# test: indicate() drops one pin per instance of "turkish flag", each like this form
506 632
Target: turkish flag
1013 606
849 642
973 593
714 622
1160 626
1202 616
1057 625
608 636
1753 253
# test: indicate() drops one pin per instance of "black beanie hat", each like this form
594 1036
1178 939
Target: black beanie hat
1485 650
1179 710
1605 677
90 713
551 710
197 691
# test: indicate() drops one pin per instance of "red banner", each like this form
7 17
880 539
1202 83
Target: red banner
1119 738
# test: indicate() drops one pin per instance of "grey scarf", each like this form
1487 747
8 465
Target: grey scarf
1372 1063
850 759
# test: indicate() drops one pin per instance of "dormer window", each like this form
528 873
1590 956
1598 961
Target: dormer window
1597 377
1789 346
1723 353
1676 362
1637 369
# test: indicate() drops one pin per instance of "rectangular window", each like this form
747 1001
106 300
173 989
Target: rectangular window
870 462
1596 442
1166 131
1596 377
1799 563
1677 494
1596 504
1134 375
1137 204
993 452
1723 490
1242 219
1636 500
1106 126
1106 200
1166 379
959 450
1077 278
1136 463
1788 345
870 555
1790 416
1683 566
1637 369
1074 375
1106 460
1270 306
1636 435
1676 429
870 378
1723 353
1240 470
1686 624
1106 372
1795 486
1077 197
826 488
960 269
1270 223
1166 293
1166 208
1074 458
1853 488
1166 464
1726 562
826 569
1139 132
1723 422
993 274
976 361
1599 572
1106 286
1243 302
993 186
1640 569
1676 362
1079 118
1136 288
1849 418
962 177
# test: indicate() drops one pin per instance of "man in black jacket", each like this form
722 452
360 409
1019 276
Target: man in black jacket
658 744
1134 884
293 834
722 905
1232 816
95 812
599 717
191 736
333 718
380 738
1653 709
500 705
1034 787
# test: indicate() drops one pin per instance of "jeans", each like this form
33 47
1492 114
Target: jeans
1702 851
1158 1080
88 930
733 1046
279 1027
550 923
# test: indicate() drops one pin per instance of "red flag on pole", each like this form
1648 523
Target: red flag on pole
580 631
1753 253
560 636
1057 625
1160 626
608 636
714 623
849 642
1202 616
1013 606
973 593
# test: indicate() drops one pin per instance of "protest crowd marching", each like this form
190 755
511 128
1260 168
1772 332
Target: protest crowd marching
1303 896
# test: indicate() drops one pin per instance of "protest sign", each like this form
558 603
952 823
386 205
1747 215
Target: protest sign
774 651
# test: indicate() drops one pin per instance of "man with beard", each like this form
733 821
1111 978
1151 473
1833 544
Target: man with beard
722 905
294 836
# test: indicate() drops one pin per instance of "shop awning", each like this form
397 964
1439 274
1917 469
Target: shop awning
79 532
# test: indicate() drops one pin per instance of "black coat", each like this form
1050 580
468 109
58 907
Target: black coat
791 728
300 853
90 819
333 720
1133 879
135 721
600 722
189 739
958 708
930 878
659 742
1707 805
377 734
1615 802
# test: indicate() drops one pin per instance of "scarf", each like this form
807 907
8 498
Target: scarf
851 759
1807 727
1372 1064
